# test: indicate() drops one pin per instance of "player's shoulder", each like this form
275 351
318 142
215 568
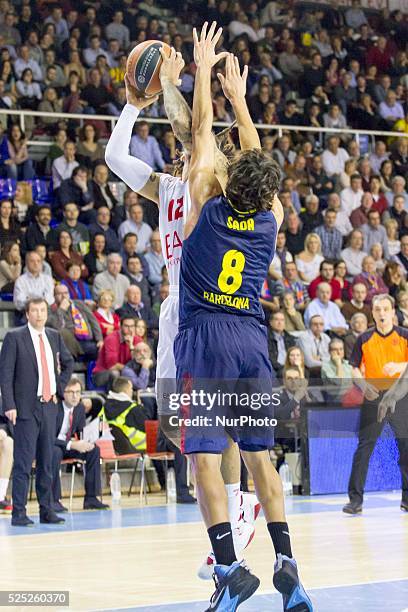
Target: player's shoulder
169 182
366 336
401 331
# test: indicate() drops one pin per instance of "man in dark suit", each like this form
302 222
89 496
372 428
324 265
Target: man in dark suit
68 445
35 366
279 341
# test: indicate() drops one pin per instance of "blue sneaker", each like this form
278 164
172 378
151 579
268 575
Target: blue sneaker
286 581
234 584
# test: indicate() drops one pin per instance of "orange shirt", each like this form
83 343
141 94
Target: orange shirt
373 350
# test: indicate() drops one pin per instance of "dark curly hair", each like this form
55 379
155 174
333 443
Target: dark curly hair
253 181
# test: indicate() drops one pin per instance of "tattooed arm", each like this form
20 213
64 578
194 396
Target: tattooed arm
177 109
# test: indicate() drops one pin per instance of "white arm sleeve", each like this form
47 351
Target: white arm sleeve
134 172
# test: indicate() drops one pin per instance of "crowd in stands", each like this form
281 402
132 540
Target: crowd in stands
91 247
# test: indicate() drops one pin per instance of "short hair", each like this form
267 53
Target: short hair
112 255
120 384
326 262
128 318
70 204
253 180
34 300
129 235
72 264
334 341
356 175
356 315
293 368
74 381
381 298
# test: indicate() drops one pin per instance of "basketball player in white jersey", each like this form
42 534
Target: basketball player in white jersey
172 196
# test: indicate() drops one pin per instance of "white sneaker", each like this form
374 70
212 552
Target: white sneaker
250 507
242 535
206 570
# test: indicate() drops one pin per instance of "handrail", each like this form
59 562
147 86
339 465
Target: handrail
259 126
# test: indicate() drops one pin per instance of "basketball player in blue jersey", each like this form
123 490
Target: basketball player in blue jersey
229 242
171 194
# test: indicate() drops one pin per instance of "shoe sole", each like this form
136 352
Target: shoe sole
285 584
351 513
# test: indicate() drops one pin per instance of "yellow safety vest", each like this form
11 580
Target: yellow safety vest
136 437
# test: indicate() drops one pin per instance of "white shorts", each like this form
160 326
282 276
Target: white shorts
166 366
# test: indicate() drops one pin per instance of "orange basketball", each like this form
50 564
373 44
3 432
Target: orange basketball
143 66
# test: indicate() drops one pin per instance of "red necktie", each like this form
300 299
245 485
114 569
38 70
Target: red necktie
69 432
46 385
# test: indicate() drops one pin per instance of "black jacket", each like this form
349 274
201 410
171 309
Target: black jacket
19 371
288 340
135 418
78 423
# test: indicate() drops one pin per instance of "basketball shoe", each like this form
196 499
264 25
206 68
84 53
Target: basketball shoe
234 584
286 581
243 533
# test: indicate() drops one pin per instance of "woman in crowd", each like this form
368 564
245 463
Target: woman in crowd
78 288
89 150
65 255
340 275
380 201
391 227
75 65
10 266
28 91
57 147
96 260
10 230
50 104
295 357
386 175
377 254
293 318
394 279
107 318
371 279
8 77
308 261
22 203
350 167
19 166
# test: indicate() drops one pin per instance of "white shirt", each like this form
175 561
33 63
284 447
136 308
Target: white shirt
35 337
334 164
329 312
61 170
350 200
353 260
65 427
343 223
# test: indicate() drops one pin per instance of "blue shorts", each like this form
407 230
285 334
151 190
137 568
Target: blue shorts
224 384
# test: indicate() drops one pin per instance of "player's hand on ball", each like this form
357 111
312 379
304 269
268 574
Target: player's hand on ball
204 47
233 83
171 67
386 405
134 99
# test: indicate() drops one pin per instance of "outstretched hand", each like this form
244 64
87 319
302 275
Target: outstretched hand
133 98
171 67
233 83
204 47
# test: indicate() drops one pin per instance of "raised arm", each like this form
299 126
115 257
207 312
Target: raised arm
138 175
234 88
202 181
177 109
